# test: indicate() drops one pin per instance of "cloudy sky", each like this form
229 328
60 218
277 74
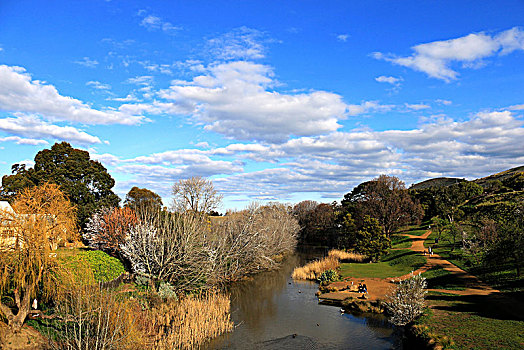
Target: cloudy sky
273 100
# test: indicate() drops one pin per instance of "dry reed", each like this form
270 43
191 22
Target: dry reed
189 322
314 269
346 256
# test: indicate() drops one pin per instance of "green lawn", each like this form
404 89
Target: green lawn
473 322
395 264
399 241
438 278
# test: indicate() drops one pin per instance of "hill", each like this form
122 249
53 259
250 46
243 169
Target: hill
503 175
437 182
440 182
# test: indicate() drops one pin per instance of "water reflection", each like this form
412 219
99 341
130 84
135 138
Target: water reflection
272 311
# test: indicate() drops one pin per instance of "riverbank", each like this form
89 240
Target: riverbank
463 311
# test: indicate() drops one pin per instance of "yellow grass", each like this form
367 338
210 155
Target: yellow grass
190 322
345 256
314 269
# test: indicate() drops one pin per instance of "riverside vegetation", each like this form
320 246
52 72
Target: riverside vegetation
177 261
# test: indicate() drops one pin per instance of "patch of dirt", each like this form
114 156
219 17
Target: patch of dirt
28 339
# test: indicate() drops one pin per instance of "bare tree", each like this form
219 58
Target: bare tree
196 195
167 246
251 240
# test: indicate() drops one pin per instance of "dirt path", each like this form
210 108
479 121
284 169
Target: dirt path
378 287
472 285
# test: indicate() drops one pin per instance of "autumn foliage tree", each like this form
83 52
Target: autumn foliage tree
107 228
138 197
43 218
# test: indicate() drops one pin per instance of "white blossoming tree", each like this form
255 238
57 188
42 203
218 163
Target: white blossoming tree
406 301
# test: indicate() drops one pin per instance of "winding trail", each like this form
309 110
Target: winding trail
472 285
379 287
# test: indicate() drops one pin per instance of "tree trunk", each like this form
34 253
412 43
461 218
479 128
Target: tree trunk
15 322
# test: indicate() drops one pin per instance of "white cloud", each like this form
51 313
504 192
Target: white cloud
332 164
235 99
444 102
343 37
98 85
23 141
32 126
435 58
153 23
241 43
368 106
87 62
389 80
20 93
516 107
417 106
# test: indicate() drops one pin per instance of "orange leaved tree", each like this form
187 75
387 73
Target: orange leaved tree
42 218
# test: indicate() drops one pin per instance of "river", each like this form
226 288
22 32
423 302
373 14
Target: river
272 311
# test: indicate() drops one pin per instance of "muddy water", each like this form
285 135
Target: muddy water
274 312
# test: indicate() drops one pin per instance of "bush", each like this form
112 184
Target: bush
165 290
104 267
328 276
406 301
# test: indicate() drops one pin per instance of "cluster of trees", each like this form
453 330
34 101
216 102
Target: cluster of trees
188 249
482 222
364 220
85 182
67 196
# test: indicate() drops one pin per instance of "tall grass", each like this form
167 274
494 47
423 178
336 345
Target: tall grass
346 256
188 323
314 269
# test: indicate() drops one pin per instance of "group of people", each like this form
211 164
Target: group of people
430 251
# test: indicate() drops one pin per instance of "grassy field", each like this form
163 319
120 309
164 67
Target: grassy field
400 242
395 264
438 278
472 322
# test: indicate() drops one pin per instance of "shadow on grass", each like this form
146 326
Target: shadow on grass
501 306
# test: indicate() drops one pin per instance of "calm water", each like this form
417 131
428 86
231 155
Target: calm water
274 312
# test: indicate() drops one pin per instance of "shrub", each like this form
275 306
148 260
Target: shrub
406 301
328 276
165 290
104 267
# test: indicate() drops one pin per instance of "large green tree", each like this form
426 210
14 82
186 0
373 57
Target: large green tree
86 182
371 240
384 198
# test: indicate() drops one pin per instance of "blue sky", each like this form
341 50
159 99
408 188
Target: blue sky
273 100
